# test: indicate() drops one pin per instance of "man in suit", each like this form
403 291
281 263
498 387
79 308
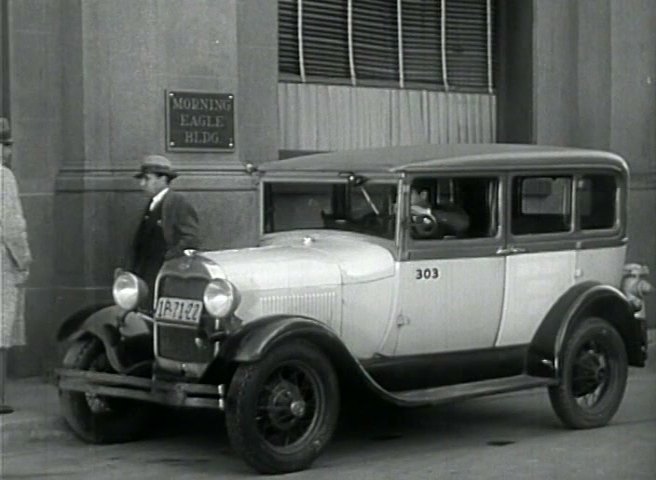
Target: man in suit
169 225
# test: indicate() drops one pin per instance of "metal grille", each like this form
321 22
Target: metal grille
178 343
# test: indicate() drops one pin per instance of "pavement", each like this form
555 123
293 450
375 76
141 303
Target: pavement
37 416
36 413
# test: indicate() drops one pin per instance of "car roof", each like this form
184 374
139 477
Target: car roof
423 158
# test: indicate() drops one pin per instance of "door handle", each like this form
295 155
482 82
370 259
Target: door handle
510 250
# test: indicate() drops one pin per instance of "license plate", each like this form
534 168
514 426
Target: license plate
179 309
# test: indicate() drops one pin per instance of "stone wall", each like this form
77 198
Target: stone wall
88 101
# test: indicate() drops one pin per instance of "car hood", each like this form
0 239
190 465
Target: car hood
303 259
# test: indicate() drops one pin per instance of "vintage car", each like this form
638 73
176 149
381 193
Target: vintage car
429 273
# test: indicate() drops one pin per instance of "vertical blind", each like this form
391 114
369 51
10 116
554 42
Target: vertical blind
434 44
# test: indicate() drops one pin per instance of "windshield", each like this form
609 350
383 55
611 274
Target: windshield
367 208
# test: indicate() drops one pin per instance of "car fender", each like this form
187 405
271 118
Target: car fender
126 336
581 301
73 322
251 342
255 339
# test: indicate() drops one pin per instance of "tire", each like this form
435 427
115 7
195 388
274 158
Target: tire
282 410
94 418
593 375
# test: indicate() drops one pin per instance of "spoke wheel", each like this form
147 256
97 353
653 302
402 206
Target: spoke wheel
594 371
97 418
290 405
282 410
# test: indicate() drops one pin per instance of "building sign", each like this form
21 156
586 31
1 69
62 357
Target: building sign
198 121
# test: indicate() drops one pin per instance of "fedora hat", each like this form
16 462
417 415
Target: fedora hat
5 132
156 164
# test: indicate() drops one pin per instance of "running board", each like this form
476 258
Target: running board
437 395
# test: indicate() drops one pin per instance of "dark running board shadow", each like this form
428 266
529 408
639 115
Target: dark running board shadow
437 395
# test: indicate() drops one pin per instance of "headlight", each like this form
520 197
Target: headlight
128 290
221 298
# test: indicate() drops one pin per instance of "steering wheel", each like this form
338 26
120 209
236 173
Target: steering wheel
425 226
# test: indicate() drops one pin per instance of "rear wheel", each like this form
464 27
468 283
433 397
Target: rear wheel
97 418
282 411
593 375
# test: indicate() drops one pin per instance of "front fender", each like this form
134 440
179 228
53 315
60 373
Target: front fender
73 322
126 336
587 299
251 342
255 339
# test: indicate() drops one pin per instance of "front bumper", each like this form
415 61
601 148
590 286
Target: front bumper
163 392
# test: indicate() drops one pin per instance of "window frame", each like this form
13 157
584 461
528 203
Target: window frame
392 244
617 213
422 249
576 238
536 174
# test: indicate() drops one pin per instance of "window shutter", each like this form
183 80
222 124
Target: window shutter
422 42
466 44
375 48
375 40
288 37
325 38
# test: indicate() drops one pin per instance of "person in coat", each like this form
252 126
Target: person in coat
15 259
169 224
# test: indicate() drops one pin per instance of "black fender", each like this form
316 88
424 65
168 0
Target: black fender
126 336
251 342
584 300
73 322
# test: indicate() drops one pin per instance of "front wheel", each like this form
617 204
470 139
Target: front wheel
593 375
97 418
282 410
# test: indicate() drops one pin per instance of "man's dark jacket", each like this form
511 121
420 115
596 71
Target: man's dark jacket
164 233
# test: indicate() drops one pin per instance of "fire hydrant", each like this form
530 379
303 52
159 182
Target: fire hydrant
635 287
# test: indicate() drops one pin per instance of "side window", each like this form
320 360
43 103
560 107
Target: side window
454 207
541 205
597 196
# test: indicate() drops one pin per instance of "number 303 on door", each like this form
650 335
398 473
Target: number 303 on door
427 273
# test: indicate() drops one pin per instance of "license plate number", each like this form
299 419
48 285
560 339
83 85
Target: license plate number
179 309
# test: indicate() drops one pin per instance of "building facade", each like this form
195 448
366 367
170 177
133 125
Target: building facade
87 85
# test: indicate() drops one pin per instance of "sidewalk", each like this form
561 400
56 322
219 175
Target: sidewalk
37 415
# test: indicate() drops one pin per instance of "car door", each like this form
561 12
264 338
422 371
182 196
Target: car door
451 282
541 251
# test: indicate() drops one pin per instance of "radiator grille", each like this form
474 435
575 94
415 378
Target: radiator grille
177 343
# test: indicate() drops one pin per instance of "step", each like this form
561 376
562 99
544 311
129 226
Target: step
437 395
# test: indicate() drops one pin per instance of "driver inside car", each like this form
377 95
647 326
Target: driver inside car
443 219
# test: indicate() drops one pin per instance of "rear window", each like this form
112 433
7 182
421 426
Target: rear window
597 197
541 204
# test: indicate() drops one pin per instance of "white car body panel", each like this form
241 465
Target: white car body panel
358 257
534 282
366 315
601 264
459 310
315 274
